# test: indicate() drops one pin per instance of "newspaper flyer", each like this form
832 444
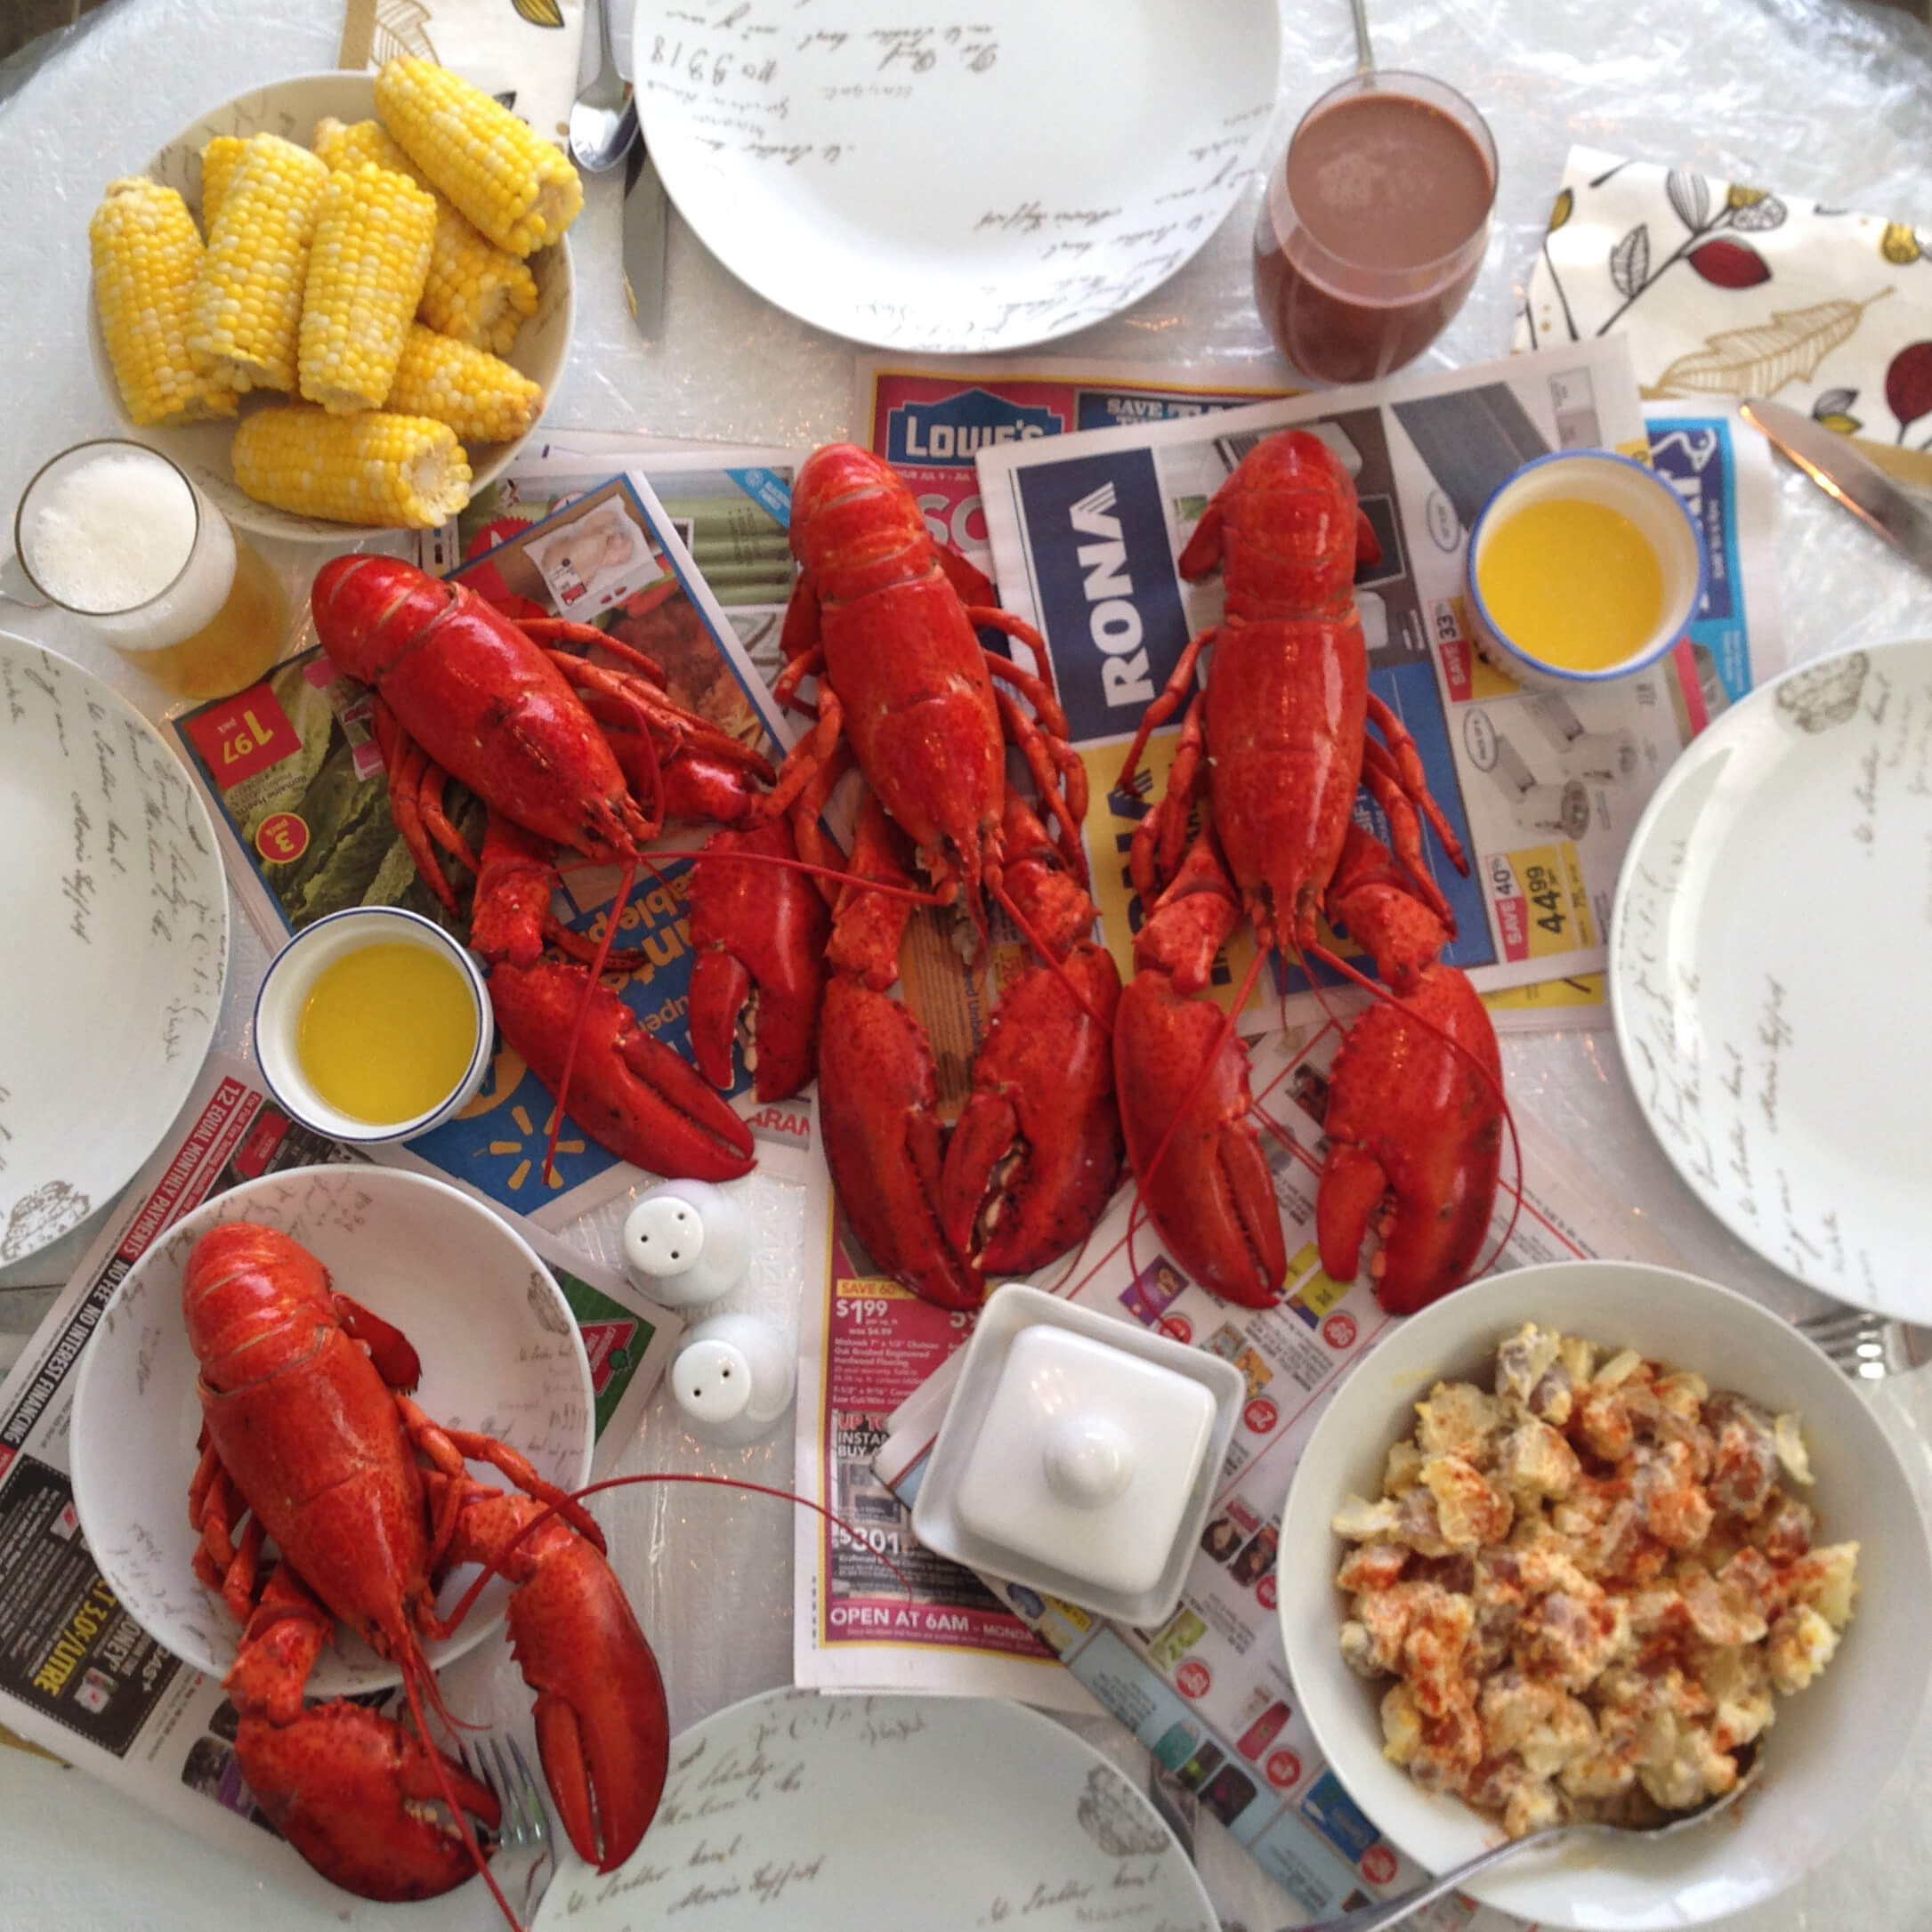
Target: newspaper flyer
78 1676
1543 791
293 776
1208 1693
865 1344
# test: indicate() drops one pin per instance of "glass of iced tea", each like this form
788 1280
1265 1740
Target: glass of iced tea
112 532
1374 225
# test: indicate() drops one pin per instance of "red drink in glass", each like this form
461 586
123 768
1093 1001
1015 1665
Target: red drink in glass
1374 226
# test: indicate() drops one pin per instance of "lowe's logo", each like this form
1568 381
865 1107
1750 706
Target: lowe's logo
952 430
1109 604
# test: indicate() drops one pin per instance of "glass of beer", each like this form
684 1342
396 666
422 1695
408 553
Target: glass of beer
1374 225
112 532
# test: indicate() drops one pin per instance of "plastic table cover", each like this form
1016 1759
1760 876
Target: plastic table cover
1832 100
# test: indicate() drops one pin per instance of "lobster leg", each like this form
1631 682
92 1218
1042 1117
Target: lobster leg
601 1722
757 936
628 1092
356 1795
402 772
1414 1117
1197 1159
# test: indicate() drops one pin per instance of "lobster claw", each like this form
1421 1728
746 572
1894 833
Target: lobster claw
1414 1115
628 1092
360 1799
878 1106
1210 1195
603 1726
758 933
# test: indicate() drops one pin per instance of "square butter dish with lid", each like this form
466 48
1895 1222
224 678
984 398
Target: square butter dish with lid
1079 1455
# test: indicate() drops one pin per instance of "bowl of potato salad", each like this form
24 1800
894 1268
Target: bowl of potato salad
1575 1543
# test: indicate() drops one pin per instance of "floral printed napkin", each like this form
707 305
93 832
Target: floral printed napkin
524 51
1723 289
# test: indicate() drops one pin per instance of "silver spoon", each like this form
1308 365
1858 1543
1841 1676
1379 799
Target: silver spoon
1393 1912
1364 53
604 118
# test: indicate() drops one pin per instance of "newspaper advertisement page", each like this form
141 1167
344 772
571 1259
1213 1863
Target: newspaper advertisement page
78 1676
1208 1693
865 1345
295 779
1086 529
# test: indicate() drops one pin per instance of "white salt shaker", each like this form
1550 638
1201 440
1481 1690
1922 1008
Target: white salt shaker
732 1378
687 1243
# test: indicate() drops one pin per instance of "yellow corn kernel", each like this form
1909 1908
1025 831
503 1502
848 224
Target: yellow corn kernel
476 292
219 161
248 312
366 266
146 256
372 467
480 397
518 188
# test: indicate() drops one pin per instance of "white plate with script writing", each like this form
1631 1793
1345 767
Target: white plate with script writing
955 180
113 944
924 1814
1769 955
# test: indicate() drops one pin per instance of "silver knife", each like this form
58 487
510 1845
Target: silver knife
1842 474
644 212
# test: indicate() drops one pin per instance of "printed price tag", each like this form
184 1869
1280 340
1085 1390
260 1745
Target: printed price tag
245 735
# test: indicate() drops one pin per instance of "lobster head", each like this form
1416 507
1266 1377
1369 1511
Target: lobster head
248 1295
1283 528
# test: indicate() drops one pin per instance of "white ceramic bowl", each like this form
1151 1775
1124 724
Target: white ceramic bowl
1635 490
500 1354
285 990
113 948
1833 1746
291 109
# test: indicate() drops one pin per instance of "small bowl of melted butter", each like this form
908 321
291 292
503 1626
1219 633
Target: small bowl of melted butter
1585 566
372 1025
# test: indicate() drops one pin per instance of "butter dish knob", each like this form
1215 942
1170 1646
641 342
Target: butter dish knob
687 1243
1089 1460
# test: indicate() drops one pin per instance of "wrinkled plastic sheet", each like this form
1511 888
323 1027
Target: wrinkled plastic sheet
1810 97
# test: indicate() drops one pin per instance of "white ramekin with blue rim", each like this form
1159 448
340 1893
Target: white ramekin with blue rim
291 977
1620 483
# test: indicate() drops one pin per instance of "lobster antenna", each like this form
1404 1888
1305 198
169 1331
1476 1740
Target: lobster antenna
1489 1079
457 1811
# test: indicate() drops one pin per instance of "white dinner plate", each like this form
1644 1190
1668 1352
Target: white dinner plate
500 1354
822 1814
113 943
955 181
1770 949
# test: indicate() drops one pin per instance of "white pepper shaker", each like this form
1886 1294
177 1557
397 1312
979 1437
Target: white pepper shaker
732 1378
687 1243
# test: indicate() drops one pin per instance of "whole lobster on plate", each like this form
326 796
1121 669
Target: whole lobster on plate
310 1441
1271 752
884 619
570 752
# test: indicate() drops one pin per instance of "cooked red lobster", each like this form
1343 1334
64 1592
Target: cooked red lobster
310 1441
1272 753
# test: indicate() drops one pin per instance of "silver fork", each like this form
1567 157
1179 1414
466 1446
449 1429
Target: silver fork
1867 1346
525 1830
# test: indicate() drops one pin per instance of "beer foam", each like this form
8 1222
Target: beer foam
111 532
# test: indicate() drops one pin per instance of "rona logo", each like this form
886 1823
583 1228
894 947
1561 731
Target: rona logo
1109 603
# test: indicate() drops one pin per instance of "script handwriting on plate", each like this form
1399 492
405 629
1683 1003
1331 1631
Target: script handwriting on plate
1774 1035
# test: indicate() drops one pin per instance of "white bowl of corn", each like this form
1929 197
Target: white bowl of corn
309 317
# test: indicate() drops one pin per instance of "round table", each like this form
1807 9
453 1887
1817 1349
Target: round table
1817 98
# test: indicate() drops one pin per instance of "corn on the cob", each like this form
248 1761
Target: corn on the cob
146 256
372 467
481 398
219 160
249 297
476 292
514 185
366 267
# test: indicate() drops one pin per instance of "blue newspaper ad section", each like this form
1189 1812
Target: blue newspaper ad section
1110 606
948 430
1695 455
